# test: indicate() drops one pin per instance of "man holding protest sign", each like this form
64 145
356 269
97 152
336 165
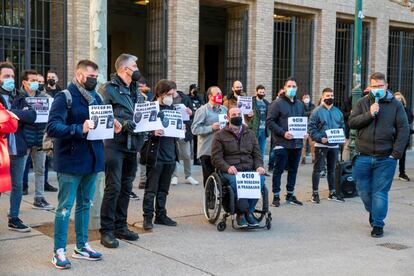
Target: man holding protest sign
288 124
236 149
326 124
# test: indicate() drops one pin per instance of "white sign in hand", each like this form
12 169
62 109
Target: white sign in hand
248 185
146 116
335 136
103 119
245 103
298 127
42 107
222 120
183 109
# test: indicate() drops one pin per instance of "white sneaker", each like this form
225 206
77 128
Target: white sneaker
174 180
191 180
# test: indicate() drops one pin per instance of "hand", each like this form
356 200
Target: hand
374 109
215 126
232 170
159 132
88 125
117 126
251 114
324 140
288 135
26 108
306 136
261 170
189 112
129 126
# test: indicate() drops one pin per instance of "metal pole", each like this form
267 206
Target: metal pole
357 68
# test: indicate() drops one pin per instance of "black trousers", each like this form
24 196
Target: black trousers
207 167
157 187
120 171
324 157
402 160
195 147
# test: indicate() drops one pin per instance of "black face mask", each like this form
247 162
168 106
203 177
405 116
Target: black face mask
90 83
236 121
41 87
329 101
136 75
51 82
260 96
238 92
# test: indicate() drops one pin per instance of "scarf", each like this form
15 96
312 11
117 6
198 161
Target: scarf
89 96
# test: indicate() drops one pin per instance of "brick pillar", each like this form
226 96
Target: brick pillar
98 46
379 42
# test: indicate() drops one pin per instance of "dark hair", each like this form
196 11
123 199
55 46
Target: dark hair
162 87
26 73
327 89
51 72
290 79
84 63
142 80
192 86
173 85
377 76
259 87
6 64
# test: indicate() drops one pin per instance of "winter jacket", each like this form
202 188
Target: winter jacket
384 134
323 119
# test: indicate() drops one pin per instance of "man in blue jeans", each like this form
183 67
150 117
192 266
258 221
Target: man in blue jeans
382 134
77 161
236 149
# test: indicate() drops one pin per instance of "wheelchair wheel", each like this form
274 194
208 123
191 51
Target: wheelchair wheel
262 206
213 198
221 226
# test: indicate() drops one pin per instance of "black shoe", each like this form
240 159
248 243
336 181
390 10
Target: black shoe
315 198
334 197
42 204
251 221
197 162
291 199
276 201
164 220
25 192
370 220
147 224
133 196
17 224
377 232
50 188
108 240
403 177
126 234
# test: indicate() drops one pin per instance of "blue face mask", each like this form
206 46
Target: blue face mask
378 92
33 86
8 84
291 92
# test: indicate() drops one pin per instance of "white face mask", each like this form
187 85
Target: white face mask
306 100
167 100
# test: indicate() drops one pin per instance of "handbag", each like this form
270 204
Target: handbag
149 152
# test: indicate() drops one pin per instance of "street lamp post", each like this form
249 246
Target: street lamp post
357 68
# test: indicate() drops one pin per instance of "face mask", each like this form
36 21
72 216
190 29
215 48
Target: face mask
167 100
41 87
380 92
90 83
136 75
238 92
306 100
260 96
51 82
328 101
236 121
217 99
8 84
291 92
33 86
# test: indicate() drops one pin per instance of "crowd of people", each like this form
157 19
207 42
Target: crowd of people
382 120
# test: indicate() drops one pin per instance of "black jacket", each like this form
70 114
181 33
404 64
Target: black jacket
188 103
383 135
277 120
123 99
52 92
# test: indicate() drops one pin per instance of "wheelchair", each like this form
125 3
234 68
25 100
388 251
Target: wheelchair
219 195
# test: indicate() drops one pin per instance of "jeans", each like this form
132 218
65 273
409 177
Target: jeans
157 187
285 158
207 167
251 202
120 171
325 157
38 158
71 186
17 164
184 149
373 176
261 138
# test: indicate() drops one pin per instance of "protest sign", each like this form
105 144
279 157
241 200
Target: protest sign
248 185
146 116
245 104
172 123
183 109
42 107
335 136
222 120
298 126
103 118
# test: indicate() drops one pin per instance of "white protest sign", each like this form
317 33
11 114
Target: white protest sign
183 109
298 126
222 120
103 118
248 185
335 136
245 104
146 116
42 107
172 123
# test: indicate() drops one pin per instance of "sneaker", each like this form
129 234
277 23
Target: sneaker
291 199
42 204
50 188
126 234
276 201
17 224
147 224
86 253
251 221
334 197
322 174
25 192
164 220
404 177
377 232
315 198
241 221
174 180
133 196
59 260
191 180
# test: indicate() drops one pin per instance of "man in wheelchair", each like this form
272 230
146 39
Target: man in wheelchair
236 149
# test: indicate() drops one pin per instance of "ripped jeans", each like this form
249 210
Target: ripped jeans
82 188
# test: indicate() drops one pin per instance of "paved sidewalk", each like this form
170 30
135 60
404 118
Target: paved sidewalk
330 238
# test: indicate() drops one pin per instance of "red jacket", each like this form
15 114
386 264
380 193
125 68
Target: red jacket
8 124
